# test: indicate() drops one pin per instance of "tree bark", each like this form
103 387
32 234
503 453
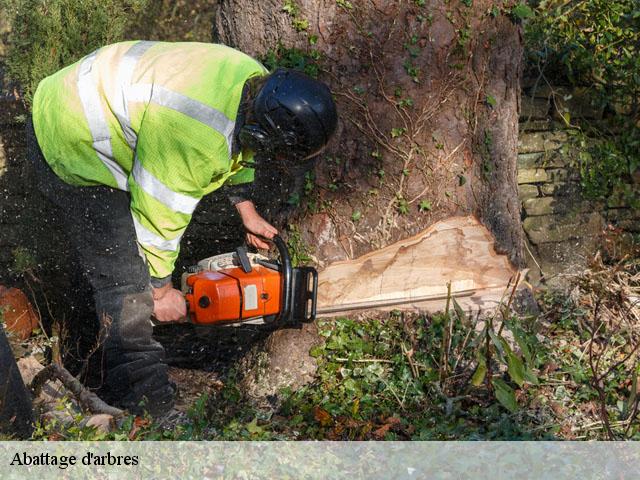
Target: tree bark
428 98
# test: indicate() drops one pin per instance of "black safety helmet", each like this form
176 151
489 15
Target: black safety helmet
291 114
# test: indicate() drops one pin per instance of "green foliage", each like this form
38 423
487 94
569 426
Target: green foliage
398 132
344 4
293 9
596 43
589 42
424 206
376 374
606 166
412 70
419 378
50 34
298 250
305 61
521 11
309 182
402 206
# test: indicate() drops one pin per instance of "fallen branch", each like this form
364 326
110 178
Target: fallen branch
87 399
363 360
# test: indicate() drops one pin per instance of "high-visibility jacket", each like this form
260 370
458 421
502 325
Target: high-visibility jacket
155 119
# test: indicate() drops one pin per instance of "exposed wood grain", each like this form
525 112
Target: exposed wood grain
415 272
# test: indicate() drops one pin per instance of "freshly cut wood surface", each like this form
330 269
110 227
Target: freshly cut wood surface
413 274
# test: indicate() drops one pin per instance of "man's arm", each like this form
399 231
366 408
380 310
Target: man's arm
238 193
170 174
255 225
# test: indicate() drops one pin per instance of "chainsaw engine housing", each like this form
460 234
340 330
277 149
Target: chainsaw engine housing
243 287
231 295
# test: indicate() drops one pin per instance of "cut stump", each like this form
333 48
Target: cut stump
413 274
458 250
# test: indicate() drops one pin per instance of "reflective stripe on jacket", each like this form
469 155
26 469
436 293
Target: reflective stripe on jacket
152 118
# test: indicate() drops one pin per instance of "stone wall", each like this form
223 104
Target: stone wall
563 229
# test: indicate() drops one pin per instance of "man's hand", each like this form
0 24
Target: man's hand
168 304
255 225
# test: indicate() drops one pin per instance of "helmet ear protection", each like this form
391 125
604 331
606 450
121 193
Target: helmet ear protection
258 139
292 114
255 138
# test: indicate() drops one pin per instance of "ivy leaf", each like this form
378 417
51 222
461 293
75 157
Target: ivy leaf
317 352
491 101
322 416
294 200
396 132
425 205
403 206
522 11
505 394
344 4
253 427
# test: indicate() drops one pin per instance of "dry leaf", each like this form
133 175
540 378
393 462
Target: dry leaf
322 416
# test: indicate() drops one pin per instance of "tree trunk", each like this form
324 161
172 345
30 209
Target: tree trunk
428 98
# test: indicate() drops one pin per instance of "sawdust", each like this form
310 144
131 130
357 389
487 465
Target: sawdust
192 384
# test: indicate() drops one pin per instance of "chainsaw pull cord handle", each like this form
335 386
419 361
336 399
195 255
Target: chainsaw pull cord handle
287 280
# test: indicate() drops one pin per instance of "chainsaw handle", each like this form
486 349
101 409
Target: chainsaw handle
287 280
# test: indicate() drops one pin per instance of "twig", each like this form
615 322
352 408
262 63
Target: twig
86 398
507 307
409 354
596 380
363 360
487 353
444 349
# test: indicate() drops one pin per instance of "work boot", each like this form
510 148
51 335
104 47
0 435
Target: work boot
136 376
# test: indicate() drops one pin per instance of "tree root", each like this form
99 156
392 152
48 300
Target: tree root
87 399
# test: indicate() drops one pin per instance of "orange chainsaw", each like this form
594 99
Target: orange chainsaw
242 287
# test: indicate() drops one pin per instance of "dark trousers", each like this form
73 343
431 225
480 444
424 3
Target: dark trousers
128 363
